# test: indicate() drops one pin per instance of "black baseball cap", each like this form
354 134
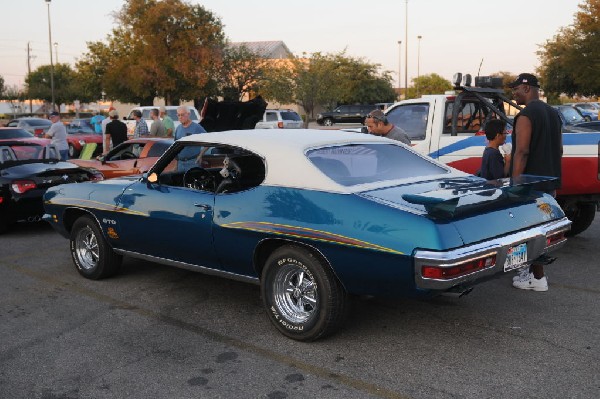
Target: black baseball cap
54 113
525 79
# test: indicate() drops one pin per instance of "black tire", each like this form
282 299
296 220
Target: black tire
581 214
92 255
73 153
302 297
328 122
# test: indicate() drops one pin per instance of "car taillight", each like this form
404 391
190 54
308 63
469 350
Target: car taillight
555 238
22 186
447 273
38 132
280 125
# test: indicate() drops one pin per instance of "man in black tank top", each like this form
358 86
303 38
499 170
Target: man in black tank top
536 150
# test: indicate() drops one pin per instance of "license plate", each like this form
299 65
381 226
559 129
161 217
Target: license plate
516 257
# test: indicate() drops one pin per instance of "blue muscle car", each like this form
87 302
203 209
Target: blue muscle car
311 216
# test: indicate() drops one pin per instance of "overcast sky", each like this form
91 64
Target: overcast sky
456 34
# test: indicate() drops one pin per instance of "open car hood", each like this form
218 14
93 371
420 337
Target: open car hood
218 116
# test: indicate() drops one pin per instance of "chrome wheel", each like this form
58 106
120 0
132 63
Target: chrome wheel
328 122
302 296
86 248
295 294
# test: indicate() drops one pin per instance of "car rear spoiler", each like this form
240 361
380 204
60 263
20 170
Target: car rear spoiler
461 196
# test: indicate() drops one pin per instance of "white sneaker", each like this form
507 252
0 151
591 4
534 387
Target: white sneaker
522 274
532 283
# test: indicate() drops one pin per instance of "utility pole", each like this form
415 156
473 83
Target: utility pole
406 51
29 56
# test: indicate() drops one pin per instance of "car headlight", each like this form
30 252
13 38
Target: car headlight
319 116
82 142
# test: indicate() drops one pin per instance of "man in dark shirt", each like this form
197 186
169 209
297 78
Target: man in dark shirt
116 131
537 150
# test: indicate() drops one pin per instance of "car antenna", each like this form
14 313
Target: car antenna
479 70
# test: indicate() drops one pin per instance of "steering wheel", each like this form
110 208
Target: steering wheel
127 155
199 179
231 174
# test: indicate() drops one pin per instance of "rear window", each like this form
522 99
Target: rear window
367 163
14 133
290 116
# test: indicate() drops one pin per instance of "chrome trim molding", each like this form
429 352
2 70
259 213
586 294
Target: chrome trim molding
189 266
535 238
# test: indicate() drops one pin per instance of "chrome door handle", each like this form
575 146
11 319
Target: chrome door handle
203 206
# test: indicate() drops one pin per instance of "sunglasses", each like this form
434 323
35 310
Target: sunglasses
377 118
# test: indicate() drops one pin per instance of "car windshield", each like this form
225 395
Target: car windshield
290 116
14 134
80 128
571 115
367 163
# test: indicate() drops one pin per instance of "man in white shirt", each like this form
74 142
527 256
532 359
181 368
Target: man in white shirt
58 134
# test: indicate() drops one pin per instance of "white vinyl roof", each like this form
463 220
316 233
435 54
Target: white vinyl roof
284 152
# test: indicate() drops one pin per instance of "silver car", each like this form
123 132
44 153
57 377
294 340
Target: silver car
280 119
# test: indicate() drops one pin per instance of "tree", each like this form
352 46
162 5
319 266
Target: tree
1 86
159 48
38 83
90 74
569 62
428 84
327 80
13 93
241 72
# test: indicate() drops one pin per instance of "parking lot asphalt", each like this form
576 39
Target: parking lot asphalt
160 332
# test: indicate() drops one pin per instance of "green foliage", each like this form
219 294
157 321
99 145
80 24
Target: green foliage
159 48
1 86
327 80
38 83
428 84
569 62
242 72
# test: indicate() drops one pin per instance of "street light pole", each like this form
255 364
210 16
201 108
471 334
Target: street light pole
418 61
399 67
51 61
56 52
406 52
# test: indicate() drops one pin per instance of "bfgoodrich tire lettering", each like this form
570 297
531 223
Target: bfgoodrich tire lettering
92 255
302 296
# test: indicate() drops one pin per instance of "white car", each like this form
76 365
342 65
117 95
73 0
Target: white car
280 119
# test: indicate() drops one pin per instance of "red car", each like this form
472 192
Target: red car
129 158
80 133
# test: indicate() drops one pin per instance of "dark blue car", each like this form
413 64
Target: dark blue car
311 216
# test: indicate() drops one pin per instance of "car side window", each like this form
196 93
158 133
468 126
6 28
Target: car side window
12 124
217 169
271 117
158 149
129 151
